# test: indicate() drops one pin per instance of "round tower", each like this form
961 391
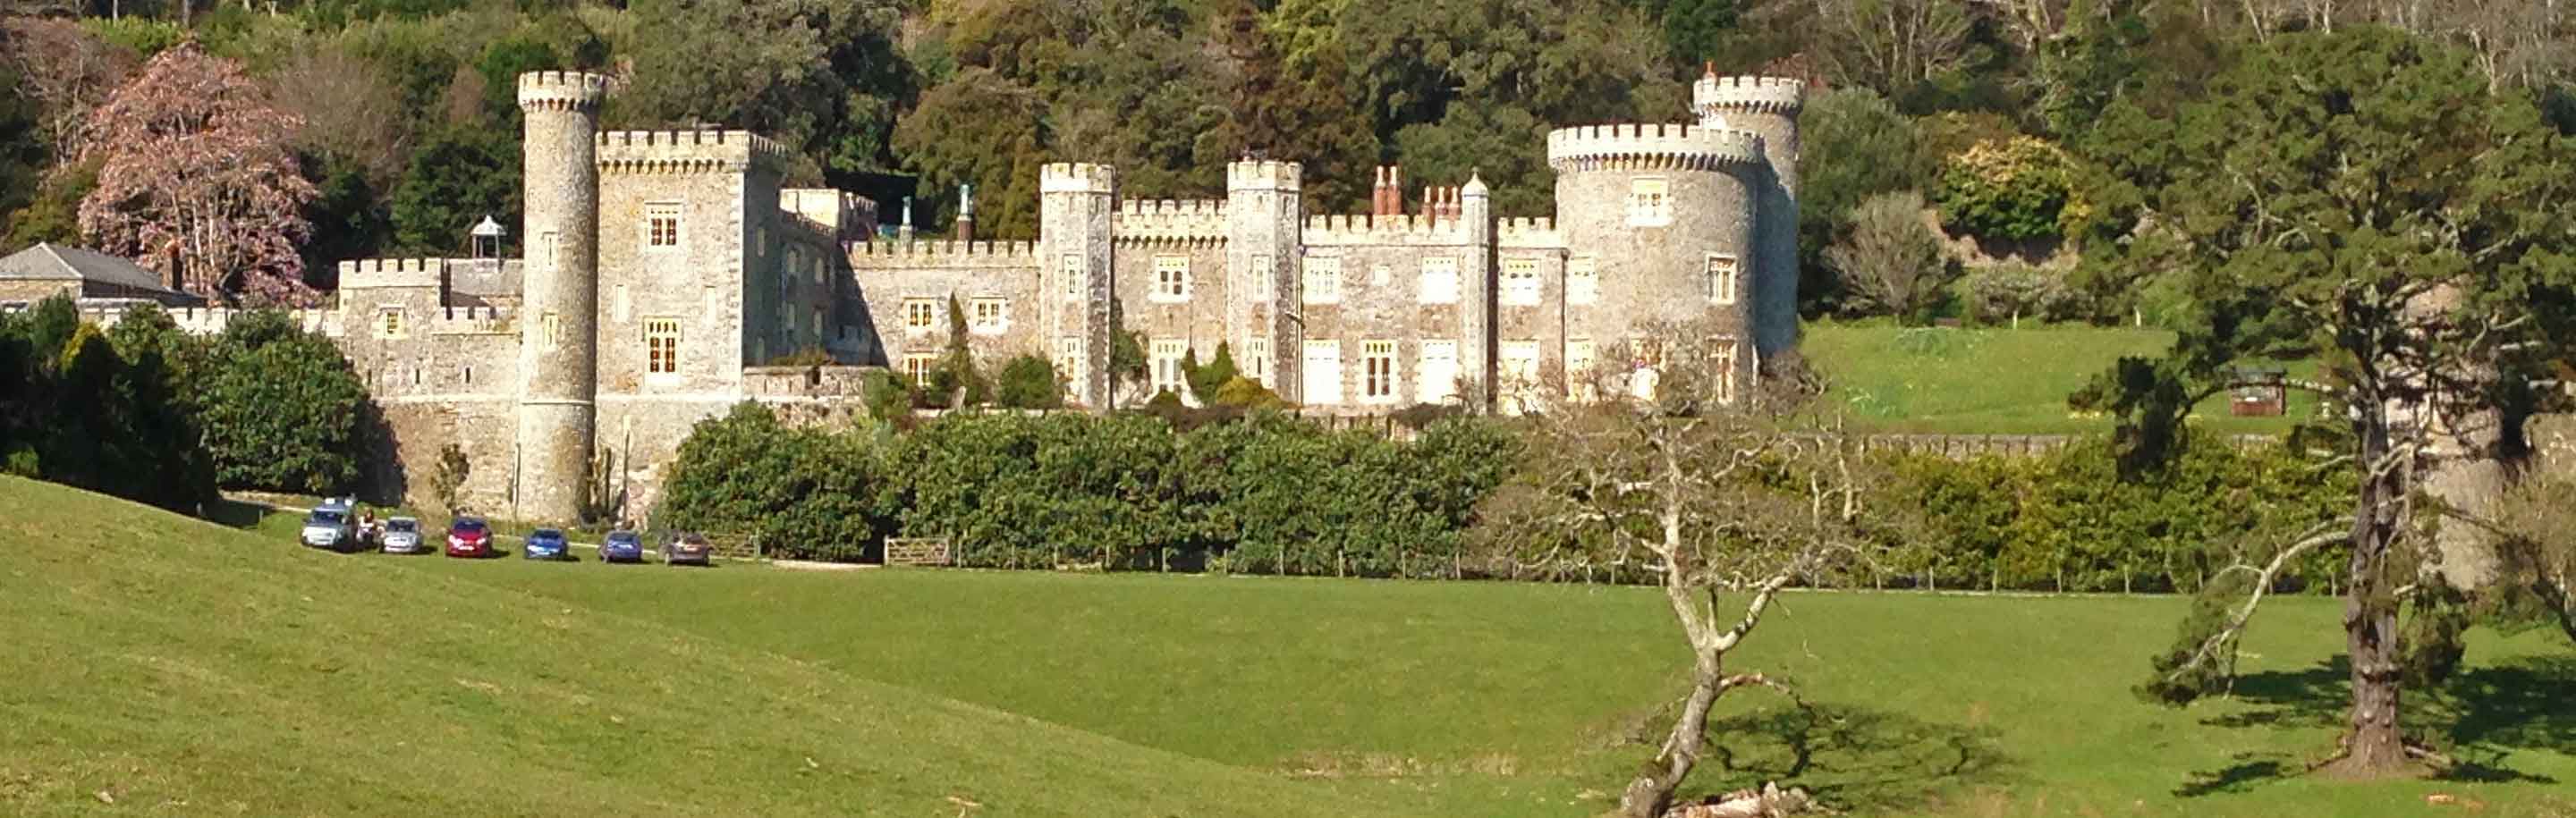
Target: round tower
1662 217
559 309
1767 106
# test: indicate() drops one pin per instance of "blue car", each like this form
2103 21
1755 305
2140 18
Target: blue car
622 546
546 544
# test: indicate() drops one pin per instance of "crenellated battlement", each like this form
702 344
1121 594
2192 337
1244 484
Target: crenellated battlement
561 91
472 321
1656 146
391 272
1768 95
692 151
1365 230
1263 175
1077 177
880 255
1167 220
1539 232
212 320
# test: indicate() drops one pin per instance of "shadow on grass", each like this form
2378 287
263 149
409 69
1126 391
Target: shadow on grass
2478 719
235 513
1851 758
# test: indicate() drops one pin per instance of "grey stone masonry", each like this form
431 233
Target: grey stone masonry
665 272
558 360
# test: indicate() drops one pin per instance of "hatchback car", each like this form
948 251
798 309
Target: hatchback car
402 536
687 549
330 526
546 544
622 546
469 537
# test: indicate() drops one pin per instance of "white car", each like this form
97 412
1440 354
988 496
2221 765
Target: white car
402 536
332 526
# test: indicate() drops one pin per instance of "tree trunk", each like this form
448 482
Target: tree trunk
1647 796
2373 747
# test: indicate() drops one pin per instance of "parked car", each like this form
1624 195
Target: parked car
402 536
622 546
687 548
546 544
330 526
469 537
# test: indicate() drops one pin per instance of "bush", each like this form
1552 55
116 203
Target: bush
2016 189
1028 382
283 410
889 396
2010 292
105 411
1207 380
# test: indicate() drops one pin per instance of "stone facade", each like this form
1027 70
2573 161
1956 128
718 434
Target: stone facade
665 269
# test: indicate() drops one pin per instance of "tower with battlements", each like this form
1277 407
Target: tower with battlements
558 340
1767 107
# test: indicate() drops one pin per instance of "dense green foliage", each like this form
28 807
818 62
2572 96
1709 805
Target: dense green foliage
282 409
1263 493
106 411
1123 491
1028 382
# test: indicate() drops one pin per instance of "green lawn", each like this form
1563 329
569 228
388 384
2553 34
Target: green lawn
180 668
174 661
1994 381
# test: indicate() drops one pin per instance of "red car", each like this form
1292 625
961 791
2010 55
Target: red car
469 537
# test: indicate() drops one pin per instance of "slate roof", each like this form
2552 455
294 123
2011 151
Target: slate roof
48 262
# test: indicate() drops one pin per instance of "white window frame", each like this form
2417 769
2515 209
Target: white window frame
1520 282
1070 361
988 316
1322 371
917 367
1582 280
920 315
1256 360
1439 281
1724 271
1323 280
1436 370
1728 352
1171 279
1378 377
656 238
661 347
1070 267
1163 356
1650 201
1519 361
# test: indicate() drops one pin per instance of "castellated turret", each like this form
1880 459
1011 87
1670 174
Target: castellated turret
1666 216
1264 212
1767 106
1075 291
558 341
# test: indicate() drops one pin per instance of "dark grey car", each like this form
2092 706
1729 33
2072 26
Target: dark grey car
687 548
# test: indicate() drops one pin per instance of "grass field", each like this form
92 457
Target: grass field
179 661
1993 381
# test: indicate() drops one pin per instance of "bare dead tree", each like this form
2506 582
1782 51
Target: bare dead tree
2539 524
1686 470
1891 260
67 70
1892 44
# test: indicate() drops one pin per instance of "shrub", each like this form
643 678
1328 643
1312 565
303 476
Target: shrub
2014 189
283 410
2010 292
889 396
1207 380
106 411
1890 261
1028 382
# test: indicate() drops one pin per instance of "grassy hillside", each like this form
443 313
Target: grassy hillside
175 667
1500 700
1993 381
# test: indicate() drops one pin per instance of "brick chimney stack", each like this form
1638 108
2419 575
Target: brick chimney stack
1388 198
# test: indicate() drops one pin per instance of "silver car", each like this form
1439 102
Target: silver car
330 526
402 536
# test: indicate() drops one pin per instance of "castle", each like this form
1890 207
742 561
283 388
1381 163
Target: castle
663 267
